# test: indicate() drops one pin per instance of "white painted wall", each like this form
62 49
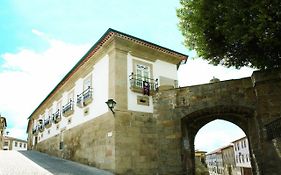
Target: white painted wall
242 151
100 78
165 69
19 146
160 68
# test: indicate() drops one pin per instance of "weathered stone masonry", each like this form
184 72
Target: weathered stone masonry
163 142
250 103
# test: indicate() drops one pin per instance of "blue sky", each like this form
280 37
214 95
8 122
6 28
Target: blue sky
42 40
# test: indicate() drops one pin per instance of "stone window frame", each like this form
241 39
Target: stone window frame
136 62
70 95
88 77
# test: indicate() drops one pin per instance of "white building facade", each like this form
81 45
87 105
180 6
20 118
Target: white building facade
214 162
242 155
11 143
74 122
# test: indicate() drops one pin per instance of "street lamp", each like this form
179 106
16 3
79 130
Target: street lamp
111 104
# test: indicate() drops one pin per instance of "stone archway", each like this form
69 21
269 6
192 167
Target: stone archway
251 103
193 122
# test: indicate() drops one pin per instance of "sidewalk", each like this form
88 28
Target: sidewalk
35 163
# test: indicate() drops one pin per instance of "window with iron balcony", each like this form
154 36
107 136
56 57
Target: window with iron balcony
48 122
57 116
41 127
143 84
68 109
35 130
85 97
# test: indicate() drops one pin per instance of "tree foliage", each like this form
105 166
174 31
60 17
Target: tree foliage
233 33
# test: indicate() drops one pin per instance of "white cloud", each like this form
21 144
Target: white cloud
28 76
198 71
38 33
217 134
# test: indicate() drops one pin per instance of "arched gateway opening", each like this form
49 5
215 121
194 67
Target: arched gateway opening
222 147
251 103
194 121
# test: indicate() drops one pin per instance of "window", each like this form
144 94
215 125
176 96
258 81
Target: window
50 112
6 143
16 143
143 72
20 145
87 82
49 131
61 145
59 105
70 96
24 145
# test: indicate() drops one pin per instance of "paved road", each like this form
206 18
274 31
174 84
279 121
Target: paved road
35 163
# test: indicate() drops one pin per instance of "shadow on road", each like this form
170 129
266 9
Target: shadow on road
60 166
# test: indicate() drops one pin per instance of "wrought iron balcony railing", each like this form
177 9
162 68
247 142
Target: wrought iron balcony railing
68 109
140 84
41 127
57 116
85 97
35 130
48 122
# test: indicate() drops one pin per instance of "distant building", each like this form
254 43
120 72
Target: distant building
229 161
200 163
242 155
11 143
3 125
200 155
214 162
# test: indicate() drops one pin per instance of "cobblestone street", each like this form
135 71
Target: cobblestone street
35 163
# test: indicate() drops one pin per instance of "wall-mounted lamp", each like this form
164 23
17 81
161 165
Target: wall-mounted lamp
111 104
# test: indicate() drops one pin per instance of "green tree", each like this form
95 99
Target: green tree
233 33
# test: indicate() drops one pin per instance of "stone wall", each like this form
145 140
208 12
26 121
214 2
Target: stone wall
250 103
90 143
267 85
162 143
136 146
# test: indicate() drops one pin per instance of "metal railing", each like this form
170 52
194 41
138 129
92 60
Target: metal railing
67 107
138 82
47 121
41 127
57 116
86 94
35 130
